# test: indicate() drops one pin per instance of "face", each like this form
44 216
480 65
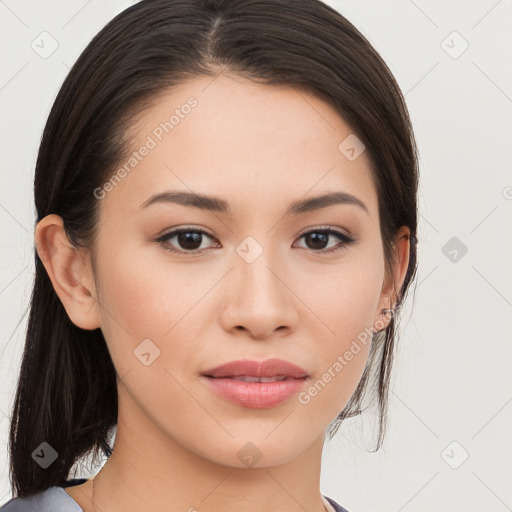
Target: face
246 281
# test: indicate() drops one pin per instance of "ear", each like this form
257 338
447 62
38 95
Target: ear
69 270
393 283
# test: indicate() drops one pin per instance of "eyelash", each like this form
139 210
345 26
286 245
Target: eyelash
345 240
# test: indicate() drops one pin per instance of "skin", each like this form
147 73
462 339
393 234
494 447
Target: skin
259 148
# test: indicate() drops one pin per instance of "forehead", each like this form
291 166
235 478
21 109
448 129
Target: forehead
246 142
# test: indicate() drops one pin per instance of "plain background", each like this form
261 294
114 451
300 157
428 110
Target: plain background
448 445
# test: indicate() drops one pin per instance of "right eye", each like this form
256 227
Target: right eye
190 239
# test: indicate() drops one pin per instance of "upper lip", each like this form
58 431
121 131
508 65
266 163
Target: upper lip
267 368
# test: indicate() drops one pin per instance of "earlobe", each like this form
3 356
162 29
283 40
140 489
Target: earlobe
69 271
393 284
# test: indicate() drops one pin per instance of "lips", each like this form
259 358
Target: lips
257 385
254 384
270 370
251 378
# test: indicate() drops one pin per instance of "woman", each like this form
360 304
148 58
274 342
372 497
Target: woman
226 202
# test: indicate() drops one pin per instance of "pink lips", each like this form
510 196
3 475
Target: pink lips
286 380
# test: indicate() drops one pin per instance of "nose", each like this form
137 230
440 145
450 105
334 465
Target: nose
259 298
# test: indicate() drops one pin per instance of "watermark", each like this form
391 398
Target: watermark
455 455
362 339
454 44
157 135
44 455
351 147
249 249
146 352
249 454
454 249
44 45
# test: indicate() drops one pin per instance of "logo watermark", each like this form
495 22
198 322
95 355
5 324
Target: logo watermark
157 135
362 339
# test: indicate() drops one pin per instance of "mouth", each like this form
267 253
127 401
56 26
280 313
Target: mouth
274 369
256 384
253 378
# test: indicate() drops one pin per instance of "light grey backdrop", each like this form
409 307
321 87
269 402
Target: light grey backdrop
448 445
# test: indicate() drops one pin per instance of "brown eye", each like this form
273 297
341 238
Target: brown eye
188 240
318 239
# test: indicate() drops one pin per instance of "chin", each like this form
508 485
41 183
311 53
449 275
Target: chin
258 451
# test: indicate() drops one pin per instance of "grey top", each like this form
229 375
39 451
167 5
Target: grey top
56 499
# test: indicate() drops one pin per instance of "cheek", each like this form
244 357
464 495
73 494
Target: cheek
345 296
340 364
131 299
346 303
144 299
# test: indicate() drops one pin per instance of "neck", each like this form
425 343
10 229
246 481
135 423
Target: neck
155 472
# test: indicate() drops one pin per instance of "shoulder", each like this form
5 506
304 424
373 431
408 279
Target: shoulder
335 505
53 499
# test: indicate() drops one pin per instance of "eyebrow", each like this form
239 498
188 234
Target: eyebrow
216 204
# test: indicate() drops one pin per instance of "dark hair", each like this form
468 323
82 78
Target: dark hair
66 394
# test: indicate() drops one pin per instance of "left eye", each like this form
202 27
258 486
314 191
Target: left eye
320 236
190 240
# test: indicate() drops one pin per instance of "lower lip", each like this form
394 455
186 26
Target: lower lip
257 395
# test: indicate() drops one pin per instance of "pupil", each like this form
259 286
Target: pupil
185 239
316 237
